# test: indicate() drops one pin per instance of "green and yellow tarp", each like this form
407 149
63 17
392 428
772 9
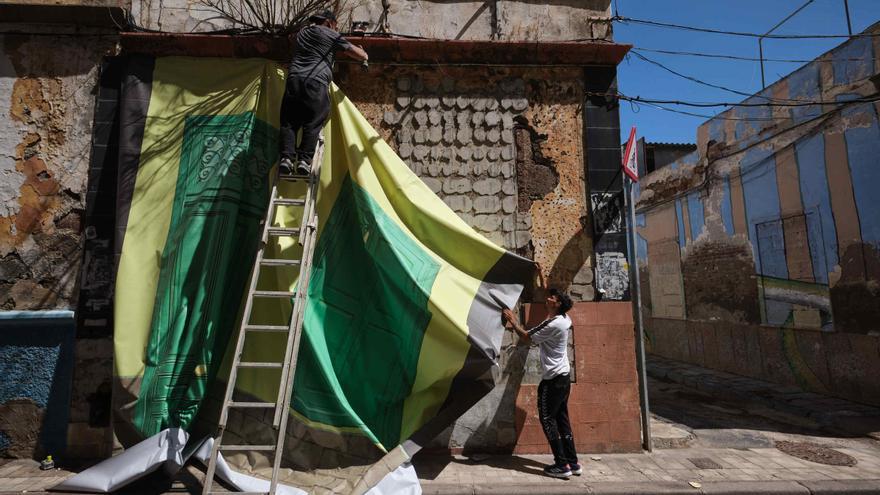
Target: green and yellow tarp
402 323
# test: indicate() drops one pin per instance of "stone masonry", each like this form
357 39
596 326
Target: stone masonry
461 144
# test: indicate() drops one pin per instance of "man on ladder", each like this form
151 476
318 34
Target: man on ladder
306 103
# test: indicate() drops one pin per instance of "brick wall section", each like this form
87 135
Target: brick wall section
604 401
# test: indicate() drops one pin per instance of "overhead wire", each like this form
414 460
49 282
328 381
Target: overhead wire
748 59
684 27
799 103
691 78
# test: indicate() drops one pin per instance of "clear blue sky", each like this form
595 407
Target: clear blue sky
639 78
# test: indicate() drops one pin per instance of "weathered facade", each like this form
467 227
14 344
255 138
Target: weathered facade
498 128
759 251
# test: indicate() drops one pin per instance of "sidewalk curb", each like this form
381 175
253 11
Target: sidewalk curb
829 487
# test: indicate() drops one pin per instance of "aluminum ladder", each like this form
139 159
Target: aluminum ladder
306 237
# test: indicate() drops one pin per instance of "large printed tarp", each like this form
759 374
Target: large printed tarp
402 324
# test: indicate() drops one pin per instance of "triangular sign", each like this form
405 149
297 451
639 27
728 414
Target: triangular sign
631 157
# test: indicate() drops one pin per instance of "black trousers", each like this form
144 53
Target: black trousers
553 413
306 105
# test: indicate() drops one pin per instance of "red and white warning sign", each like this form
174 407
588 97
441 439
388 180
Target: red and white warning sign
631 157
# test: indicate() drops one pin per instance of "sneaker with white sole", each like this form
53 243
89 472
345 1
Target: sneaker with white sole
557 471
303 168
285 167
576 469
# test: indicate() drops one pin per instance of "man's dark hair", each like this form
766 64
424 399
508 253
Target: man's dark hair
322 16
564 301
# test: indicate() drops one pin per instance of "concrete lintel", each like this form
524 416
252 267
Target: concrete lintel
387 50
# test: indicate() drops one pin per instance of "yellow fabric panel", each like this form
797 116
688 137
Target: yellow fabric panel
464 255
181 87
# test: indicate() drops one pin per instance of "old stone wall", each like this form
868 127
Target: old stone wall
47 83
501 146
558 20
770 231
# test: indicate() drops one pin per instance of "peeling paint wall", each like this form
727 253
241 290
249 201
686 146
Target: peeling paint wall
771 231
496 144
558 20
47 85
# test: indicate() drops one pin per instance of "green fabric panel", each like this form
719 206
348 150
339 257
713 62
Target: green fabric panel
219 200
367 313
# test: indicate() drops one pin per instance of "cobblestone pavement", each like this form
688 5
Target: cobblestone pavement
714 433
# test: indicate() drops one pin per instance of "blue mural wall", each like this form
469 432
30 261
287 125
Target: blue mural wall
36 364
816 198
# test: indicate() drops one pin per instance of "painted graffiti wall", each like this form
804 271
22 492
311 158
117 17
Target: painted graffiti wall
771 232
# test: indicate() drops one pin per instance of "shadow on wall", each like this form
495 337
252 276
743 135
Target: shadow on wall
36 364
497 434
855 296
719 279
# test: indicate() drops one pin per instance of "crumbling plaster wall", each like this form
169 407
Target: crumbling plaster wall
44 149
557 20
775 223
503 147
47 84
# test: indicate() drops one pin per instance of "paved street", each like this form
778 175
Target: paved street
713 434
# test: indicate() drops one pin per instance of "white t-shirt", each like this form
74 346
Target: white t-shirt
551 335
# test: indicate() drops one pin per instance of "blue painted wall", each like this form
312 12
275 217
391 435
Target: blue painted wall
727 206
816 198
680 222
762 206
804 85
641 242
852 61
36 363
696 214
863 152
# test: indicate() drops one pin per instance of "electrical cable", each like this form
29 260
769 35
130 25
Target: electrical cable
713 117
747 59
692 78
739 33
639 99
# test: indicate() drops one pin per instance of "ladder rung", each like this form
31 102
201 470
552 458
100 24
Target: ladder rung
283 231
254 364
289 202
294 178
252 404
273 293
267 328
247 447
279 262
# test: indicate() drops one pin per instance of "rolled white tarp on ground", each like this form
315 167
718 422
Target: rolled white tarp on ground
169 450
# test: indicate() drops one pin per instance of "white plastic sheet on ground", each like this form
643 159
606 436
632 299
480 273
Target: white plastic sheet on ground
168 450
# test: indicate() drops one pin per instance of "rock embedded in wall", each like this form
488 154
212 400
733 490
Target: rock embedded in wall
459 140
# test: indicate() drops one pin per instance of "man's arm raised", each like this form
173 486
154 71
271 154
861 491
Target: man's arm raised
358 53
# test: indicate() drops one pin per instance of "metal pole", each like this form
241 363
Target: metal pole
848 22
635 291
761 56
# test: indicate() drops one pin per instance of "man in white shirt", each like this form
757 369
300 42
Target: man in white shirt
551 335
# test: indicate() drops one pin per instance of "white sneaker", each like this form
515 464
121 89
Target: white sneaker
303 168
285 167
